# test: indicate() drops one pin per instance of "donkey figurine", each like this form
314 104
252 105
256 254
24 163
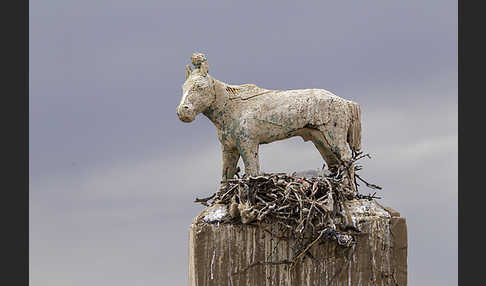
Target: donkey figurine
246 116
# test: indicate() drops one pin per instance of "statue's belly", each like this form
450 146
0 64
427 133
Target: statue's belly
279 116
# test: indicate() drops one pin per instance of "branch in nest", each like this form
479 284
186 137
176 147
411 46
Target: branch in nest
372 186
203 201
304 251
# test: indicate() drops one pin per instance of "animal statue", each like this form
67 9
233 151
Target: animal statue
246 116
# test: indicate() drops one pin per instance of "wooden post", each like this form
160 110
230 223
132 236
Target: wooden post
237 254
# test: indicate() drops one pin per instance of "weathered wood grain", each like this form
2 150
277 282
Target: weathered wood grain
227 254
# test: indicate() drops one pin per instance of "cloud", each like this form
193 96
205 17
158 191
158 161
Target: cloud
89 212
113 172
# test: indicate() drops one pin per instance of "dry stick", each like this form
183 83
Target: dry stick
373 186
315 188
308 220
286 225
231 189
204 200
303 252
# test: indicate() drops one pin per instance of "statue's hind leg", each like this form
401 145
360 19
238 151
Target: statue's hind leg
324 149
333 146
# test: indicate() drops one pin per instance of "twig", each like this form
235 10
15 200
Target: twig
307 248
204 200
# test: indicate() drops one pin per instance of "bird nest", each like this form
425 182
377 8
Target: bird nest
297 203
308 209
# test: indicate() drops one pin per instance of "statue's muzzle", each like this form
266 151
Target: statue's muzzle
184 113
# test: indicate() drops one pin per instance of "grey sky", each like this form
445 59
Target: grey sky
110 201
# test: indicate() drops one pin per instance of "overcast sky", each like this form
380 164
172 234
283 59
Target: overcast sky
113 172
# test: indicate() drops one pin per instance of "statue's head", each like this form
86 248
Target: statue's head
197 92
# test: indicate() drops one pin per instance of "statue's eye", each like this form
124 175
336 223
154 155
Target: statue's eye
199 86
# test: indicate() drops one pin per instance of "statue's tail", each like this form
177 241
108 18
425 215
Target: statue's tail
354 131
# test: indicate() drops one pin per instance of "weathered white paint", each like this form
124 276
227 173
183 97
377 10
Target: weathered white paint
215 213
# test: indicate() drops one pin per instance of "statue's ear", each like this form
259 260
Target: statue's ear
204 68
188 71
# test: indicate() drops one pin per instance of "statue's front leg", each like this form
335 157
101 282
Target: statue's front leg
249 154
230 162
